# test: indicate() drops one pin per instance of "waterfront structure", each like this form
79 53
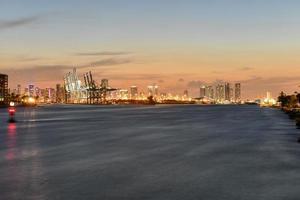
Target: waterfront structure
227 91
220 93
123 94
231 94
3 89
202 91
134 92
89 92
104 83
268 101
51 97
37 92
237 92
60 93
153 90
26 91
19 90
75 91
31 90
186 93
210 92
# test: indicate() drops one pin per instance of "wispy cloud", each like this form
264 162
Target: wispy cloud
273 81
103 53
55 72
109 62
8 24
195 84
217 72
246 68
28 59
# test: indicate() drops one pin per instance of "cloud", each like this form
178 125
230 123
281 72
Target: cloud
103 53
272 81
109 62
246 68
28 59
195 84
55 72
8 24
217 72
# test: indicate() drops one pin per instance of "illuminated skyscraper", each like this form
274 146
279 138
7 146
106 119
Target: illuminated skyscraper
60 93
153 90
237 92
227 91
220 93
26 91
104 83
19 90
51 95
3 89
133 92
202 91
209 92
231 94
75 92
186 93
37 92
31 90
123 94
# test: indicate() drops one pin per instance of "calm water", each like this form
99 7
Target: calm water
155 152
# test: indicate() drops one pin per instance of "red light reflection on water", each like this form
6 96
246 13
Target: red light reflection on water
11 141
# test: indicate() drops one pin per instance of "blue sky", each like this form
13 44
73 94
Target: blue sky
200 36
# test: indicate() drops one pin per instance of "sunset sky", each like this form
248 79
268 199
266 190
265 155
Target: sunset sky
176 44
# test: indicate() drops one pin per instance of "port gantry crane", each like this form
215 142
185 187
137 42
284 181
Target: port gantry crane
96 94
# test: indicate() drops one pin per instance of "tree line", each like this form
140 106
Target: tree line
290 101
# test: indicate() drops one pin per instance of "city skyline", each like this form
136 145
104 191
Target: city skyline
185 45
75 89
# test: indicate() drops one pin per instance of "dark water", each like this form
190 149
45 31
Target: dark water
160 152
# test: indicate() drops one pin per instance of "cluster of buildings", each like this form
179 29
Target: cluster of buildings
47 95
41 95
221 93
4 93
134 93
89 91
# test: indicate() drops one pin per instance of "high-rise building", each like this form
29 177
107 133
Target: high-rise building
220 93
31 90
133 92
37 92
231 94
186 93
227 91
210 92
60 93
237 92
202 91
26 91
104 83
153 90
51 95
3 89
123 94
19 90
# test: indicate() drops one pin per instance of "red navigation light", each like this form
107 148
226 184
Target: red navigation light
11 111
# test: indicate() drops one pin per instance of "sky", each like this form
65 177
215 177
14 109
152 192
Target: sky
176 44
